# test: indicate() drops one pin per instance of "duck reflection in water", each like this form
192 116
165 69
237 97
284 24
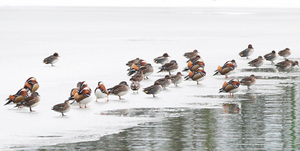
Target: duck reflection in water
229 108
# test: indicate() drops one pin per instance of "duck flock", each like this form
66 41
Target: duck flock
140 70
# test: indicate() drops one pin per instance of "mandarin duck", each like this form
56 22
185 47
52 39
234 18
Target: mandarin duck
197 75
18 97
81 94
101 92
226 68
31 84
230 87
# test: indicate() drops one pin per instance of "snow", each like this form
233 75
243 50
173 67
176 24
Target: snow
155 3
96 43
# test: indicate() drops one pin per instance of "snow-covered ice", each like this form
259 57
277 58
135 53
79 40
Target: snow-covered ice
94 45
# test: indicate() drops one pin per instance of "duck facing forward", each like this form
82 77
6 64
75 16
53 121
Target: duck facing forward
101 92
81 94
176 79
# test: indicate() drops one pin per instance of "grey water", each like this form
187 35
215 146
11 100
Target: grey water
264 118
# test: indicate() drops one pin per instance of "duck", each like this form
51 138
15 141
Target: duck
230 87
51 59
135 86
226 68
193 66
164 82
136 67
81 94
271 56
133 61
190 55
120 90
194 58
62 107
247 52
18 97
248 81
197 75
101 92
176 79
153 89
284 65
133 69
30 101
162 59
147 70
285 52
259 61
169 67
31 84
139 76
294 63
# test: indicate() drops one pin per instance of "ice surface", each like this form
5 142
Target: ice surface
156 3
95 44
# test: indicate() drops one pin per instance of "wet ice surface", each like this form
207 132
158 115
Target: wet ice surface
94 45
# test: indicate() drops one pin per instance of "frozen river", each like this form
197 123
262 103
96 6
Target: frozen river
96 42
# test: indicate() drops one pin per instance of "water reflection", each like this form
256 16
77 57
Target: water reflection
134 112
229 108
263 118
260 120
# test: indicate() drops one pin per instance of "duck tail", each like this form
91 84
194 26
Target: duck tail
9 101
221 90
187 77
